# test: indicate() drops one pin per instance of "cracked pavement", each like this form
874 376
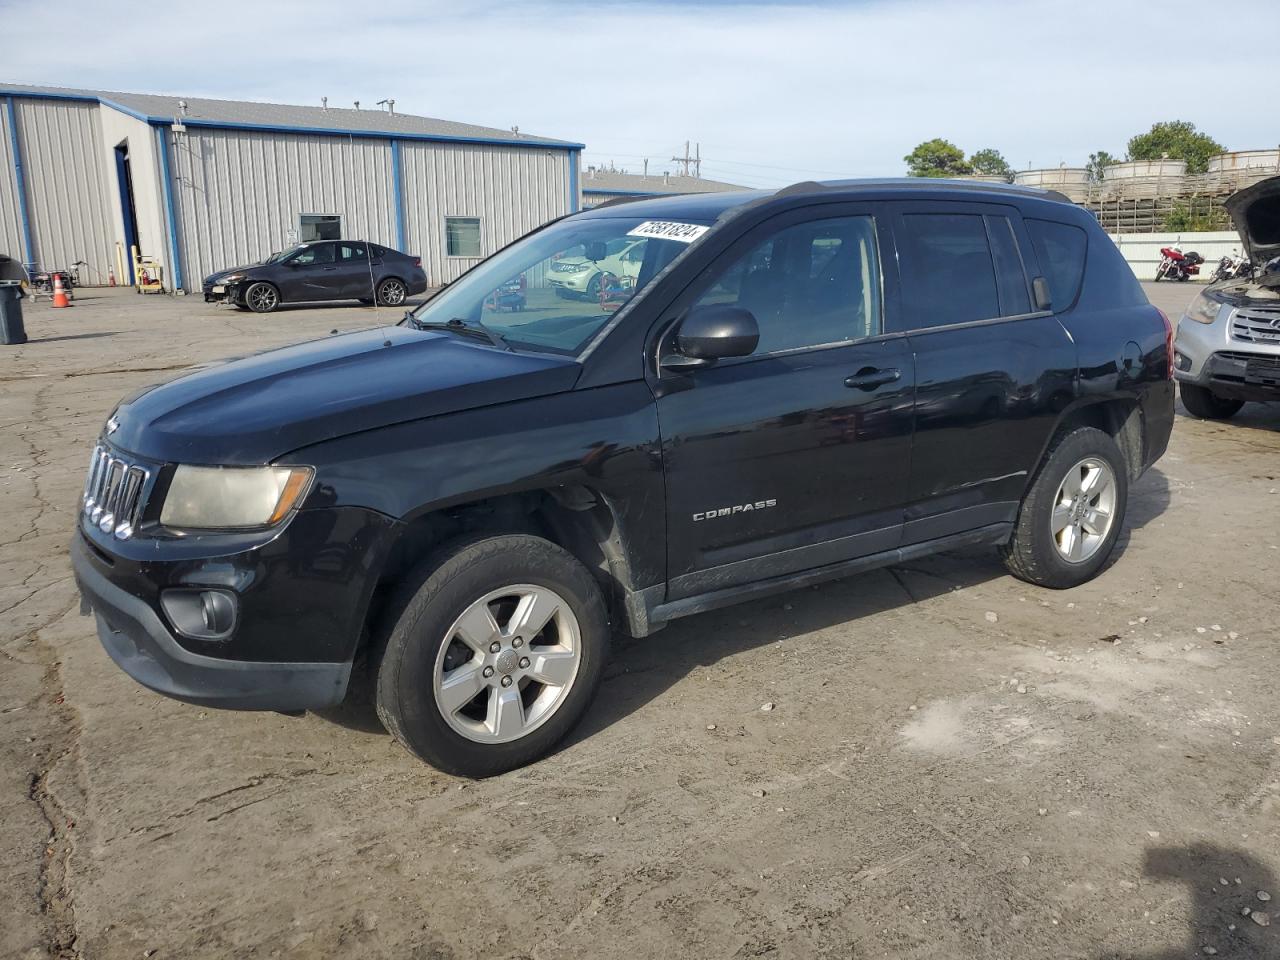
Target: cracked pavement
1094 774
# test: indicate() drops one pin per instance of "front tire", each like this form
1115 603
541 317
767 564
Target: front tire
495 654
262 297
391 292
1205 404
1071 516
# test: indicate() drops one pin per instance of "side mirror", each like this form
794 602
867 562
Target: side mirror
711 333
594 250
1040 289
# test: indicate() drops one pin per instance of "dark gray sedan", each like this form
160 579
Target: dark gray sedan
321 270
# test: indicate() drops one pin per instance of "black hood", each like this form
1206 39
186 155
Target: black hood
1255 212
215 277
258 408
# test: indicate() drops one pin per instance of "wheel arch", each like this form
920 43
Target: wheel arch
1119 417
580 520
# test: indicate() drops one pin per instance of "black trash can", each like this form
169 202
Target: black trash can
11 329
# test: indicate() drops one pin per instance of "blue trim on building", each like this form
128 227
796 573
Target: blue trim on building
575 198
373 134
166 183
24 213
397 193
84 98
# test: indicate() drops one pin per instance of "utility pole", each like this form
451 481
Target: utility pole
686 161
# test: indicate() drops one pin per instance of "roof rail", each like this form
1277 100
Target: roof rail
613 202
922 183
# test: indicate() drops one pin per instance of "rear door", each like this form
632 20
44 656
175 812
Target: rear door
798 455
355 274
991 372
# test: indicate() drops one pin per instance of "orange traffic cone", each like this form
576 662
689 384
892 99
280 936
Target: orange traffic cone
59 295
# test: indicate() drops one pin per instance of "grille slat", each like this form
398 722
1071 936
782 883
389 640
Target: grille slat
113 493
1256 326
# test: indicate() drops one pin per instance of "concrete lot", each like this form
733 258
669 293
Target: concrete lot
1086 774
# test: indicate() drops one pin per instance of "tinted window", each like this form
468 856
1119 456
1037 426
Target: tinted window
948 276
318 253
1010 275
351 251
810 284
1060 248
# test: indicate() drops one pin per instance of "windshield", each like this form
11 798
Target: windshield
283 254
554 290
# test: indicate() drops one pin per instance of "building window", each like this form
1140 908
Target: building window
319 226
462 236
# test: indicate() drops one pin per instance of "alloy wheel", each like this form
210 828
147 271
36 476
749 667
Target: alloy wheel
392 293
263 297
507 663
1083 510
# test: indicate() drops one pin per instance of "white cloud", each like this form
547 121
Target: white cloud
841 88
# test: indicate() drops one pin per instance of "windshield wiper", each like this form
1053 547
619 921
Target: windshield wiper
467 328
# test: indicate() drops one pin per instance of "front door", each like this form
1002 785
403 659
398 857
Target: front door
311 274
798 455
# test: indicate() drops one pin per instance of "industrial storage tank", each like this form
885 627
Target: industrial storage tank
1145 178
1071 181
1251 160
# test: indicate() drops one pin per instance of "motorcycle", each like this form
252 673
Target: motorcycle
1177 265
1232 267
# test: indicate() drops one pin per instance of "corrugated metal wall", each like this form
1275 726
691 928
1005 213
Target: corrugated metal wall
10 218
67 193
511 189
238 194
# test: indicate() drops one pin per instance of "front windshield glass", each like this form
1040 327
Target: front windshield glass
282 255
553 291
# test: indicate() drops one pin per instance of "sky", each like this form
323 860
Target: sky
773 92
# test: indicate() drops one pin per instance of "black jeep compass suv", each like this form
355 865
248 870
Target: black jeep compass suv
791 387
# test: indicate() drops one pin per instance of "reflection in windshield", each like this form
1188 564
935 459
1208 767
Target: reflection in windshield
282 255
554 290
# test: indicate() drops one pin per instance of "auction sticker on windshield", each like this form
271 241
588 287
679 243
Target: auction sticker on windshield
667 230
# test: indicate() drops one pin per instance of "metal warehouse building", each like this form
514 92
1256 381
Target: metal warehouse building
201 185
600 185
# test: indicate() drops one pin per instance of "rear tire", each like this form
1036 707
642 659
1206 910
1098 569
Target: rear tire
1072 515
1205 404
391 292
540 679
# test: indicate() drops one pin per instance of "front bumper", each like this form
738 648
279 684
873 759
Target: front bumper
142 646
1237 375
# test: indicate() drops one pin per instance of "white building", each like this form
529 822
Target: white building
201 185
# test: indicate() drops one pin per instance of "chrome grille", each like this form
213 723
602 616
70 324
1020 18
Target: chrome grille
1256 326
113 493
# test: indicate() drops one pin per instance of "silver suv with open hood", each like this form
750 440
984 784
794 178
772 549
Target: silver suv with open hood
1227 351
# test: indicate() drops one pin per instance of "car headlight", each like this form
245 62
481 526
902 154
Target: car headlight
222 498
579 267
1203 309
231 278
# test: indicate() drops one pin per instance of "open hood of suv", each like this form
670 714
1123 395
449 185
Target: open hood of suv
1255 212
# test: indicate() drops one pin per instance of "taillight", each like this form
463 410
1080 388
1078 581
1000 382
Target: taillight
417 261
1168 343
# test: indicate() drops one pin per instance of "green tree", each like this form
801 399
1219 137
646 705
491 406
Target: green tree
990 161
1097 165
936 158
1177 139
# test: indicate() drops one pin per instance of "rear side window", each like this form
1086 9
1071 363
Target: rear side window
1060 248
948 274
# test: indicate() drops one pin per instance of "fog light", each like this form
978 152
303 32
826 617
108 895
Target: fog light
201 614
1181 361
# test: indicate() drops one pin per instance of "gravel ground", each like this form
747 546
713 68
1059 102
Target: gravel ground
956 765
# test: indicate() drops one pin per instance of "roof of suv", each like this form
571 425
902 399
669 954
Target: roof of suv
713 205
